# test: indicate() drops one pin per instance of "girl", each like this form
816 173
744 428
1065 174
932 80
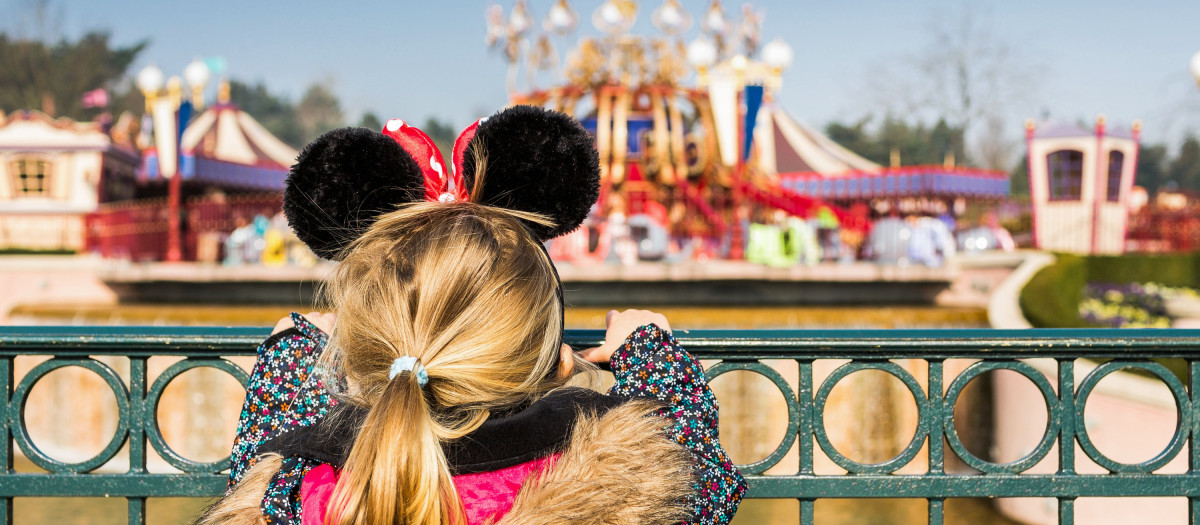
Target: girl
439 395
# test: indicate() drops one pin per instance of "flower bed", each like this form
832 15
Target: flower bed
1133 305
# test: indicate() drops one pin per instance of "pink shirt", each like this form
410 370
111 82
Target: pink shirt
485 495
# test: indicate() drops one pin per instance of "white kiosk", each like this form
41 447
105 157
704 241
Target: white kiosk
53 173
1079 185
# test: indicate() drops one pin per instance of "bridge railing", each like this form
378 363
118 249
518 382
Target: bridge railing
753 351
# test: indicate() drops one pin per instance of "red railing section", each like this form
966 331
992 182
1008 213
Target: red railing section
137 230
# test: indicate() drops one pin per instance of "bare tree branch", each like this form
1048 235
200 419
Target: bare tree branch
967 75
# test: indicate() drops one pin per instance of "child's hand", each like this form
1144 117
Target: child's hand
620 325
322 321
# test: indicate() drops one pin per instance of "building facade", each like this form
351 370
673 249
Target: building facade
53 173
1080 183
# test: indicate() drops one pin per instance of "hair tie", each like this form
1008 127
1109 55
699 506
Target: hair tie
409 364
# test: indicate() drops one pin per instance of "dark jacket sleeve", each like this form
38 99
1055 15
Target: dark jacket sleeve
652 364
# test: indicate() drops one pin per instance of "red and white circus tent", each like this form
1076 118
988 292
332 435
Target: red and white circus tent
807 162
224 146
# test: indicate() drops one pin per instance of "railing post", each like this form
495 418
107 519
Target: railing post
138 419
1193 448
137 415
804 392
1066 429
937 408
9 379
937 459
137 511
804 434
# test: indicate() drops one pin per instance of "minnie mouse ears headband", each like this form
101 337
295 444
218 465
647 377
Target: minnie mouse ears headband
538 161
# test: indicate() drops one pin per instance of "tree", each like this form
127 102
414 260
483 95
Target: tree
1018 179
443 135
441 132
969 77
916 144
274 112
35 20
53 78
1152 167
1185 168
319 111
370 120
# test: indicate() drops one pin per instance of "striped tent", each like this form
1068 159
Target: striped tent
788 146
226 147
807 162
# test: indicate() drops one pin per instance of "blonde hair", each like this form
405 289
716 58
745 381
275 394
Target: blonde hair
467 291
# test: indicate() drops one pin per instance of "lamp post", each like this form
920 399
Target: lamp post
738 64
197 74
170 114
738 71
1196 67
778 56
702 54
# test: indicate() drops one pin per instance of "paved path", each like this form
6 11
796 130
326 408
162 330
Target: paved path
1004 305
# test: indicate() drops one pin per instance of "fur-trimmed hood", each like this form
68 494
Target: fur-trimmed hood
617 468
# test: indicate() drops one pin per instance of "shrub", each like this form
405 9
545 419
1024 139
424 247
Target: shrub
1178 269
1051 298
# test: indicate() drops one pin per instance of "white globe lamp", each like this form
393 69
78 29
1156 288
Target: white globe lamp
701 53
150 79
196 74
1196 67
777 54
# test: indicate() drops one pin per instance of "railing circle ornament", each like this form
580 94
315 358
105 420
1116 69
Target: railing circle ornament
16 416
1183 416
1053 416
154 395
789 397
919 434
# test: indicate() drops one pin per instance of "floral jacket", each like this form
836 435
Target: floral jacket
285 403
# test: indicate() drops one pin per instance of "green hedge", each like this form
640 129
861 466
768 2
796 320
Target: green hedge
1169 269
1051 298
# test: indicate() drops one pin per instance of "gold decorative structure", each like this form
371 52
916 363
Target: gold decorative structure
653 120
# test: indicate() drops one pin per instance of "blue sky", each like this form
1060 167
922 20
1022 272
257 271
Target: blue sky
414 59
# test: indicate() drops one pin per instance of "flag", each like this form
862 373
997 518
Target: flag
754 99
96 98
187 163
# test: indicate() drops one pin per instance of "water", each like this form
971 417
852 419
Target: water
683 317
753 415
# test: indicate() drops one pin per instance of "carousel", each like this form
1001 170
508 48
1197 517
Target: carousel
698 159
219 174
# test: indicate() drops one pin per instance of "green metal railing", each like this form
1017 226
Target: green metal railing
752 351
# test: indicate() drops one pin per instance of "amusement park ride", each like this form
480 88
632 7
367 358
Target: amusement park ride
702 156
698 160
699 163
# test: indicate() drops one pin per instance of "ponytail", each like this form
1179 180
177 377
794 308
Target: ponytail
396 471
464 290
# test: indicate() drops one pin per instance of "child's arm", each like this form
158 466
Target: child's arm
650 363
281 393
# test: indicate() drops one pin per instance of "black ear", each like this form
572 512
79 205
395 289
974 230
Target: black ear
538 161
342 182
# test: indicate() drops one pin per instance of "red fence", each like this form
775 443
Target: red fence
1164 230
137 230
